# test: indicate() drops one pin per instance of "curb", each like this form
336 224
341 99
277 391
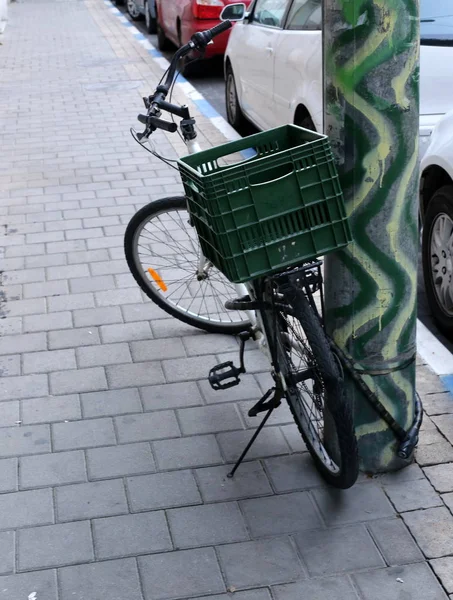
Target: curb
431 350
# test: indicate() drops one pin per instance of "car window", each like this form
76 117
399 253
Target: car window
305 14
270 12
436 26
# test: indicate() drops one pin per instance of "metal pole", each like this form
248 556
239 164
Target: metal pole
371 105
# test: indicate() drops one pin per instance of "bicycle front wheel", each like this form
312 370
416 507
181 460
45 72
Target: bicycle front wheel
315 390
163 254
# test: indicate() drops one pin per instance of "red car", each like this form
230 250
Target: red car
178 20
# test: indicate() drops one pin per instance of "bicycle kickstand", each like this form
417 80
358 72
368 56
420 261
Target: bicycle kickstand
268 404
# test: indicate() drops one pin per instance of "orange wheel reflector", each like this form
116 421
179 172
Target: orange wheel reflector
157 278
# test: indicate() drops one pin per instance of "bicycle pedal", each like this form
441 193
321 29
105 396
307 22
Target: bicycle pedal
224 376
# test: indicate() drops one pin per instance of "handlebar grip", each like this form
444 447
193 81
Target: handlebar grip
161 124
220 28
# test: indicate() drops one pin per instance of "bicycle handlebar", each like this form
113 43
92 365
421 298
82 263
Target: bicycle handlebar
198 41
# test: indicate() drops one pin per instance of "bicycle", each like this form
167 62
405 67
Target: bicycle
280 310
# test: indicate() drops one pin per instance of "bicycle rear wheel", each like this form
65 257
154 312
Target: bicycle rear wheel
315 390
162 252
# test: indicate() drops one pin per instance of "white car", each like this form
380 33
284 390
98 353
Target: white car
273 64
436 209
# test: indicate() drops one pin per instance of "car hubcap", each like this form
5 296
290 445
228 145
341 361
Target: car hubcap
442 261
231 97
132 9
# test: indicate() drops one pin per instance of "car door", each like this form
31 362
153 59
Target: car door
298 65
257 60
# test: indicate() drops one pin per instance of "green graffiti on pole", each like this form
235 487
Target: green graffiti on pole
371 59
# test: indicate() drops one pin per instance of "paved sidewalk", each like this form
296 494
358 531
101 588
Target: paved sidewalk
113 448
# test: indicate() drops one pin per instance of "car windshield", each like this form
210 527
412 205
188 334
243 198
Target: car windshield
436 28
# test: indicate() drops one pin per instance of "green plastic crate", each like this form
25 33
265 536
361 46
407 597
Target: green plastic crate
276 209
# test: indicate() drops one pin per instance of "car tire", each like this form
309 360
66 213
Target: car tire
306 122
234 112
163 42
132 10
151 22
437 257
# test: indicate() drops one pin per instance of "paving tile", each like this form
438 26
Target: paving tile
194 451
419 583
24 440
115 580
186 369
70 302
48 322
51 408
162 490
9 365
395 542
9 413
145 373
148 426
331 588
143 312
294 472
7 553
275 515
11 326
8 475
256 594
250 480
130 535
125 332
26 386
339 550
209 419
118 297
45 289
443 568
87 317
118 461
433 454
210 344
441 477
410 473
89 500
207 525
26 307
113 402
363 502
77 381
45 362
438 404
445 424
83 434
47 470
72 339
171 395
181 574
448 499
163 328
23 509
157 349
107 354
270 442
413 495
259 563
54 545
432 530
21 586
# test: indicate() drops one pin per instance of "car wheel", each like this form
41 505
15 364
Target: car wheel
151 25
437 255
233 109
162 40
132 10
305 122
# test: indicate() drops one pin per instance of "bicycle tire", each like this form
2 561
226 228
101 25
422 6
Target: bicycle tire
144 216
342 472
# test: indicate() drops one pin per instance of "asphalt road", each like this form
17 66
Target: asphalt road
210 83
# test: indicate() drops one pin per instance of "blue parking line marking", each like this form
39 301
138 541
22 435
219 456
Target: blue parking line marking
447 380
139 36
154 52
205 108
